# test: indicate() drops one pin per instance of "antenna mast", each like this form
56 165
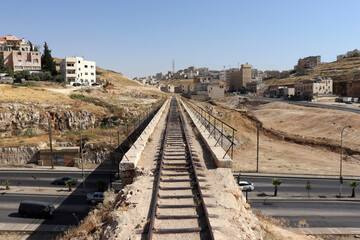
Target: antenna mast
173 66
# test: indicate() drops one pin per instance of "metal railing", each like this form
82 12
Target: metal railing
215 127
130 127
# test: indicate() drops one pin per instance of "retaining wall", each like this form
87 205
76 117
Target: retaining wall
132 156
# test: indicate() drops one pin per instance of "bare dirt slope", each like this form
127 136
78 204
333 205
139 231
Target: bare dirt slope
293 139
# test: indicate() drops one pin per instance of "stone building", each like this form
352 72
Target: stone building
308 63
309 89
353 53
238 79
18 54
78 70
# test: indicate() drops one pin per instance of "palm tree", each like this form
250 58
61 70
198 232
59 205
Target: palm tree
276 182
7 184
308 187
69 184
353 185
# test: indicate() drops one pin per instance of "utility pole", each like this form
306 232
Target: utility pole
341 153
110 133
51 151
82 160
173 66
257 148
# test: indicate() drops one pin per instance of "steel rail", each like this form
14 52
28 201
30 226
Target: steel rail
190 166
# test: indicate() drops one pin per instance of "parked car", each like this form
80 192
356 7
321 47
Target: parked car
95 197
61 181
36 209
246 186
95 84
76 84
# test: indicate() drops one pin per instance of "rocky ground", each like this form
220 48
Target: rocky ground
25 111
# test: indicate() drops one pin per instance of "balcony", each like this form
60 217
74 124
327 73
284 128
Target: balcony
71 74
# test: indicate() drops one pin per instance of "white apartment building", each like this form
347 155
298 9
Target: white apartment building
77 70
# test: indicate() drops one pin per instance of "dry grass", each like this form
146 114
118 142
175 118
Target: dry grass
96 219
344 69
114 77
26 94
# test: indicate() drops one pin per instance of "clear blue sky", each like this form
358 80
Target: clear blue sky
141 37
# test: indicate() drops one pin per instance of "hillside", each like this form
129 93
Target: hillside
116 78
347 69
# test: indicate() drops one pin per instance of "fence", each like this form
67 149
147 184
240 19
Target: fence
130 127
215 127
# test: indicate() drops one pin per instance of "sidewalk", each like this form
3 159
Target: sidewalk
56 169
303 176
44 191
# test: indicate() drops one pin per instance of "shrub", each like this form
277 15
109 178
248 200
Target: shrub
19 133
29 132
77 96
88 90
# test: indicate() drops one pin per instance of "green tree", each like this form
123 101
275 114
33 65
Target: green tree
2 65
69 184
10 71
308 187
31 47
276 182
47 62
353 185
7 184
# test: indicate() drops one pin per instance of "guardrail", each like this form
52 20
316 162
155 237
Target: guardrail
130 127
210 122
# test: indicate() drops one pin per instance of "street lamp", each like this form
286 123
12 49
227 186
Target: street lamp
81 157
341 153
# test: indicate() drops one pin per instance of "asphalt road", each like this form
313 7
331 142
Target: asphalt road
44 179
322 214
67 212
295 187
307 104
324 209
69 209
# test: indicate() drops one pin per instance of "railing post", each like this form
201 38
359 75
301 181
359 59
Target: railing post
232 145
222 134
215 127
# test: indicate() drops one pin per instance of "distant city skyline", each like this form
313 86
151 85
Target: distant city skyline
141 38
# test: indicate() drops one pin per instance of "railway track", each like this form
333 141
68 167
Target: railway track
178 208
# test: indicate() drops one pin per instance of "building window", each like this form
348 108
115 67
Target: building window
19 61
86 66
19 53
92 74
79 69
78 61
86 73
36 61
92 66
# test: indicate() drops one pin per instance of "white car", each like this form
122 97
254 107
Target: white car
246 186
95 197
